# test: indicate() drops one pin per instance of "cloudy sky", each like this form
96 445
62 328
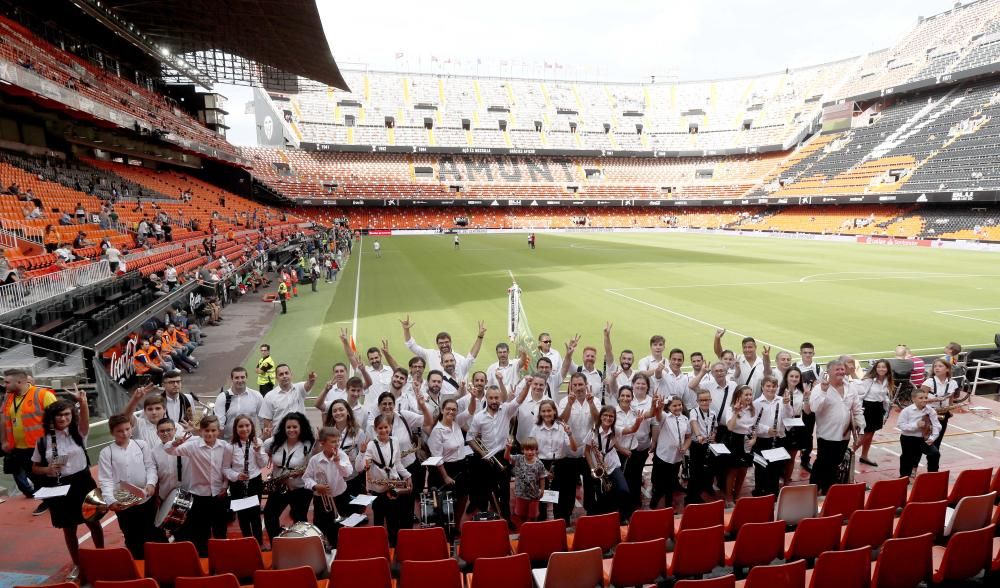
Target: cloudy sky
627 40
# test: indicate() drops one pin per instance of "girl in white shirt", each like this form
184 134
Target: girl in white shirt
632 424
877 387
671 444
608 442
769 429
289 449
739 417
60 458
383 460
940 389
794 392
243 473
353 441
703 425
407 429
447 441
554 437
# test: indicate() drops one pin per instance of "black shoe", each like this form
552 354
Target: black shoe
807 466
41 508
867 461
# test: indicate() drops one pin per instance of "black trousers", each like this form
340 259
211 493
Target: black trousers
809 427
394 513
701 478
250 522
944 427
912 449
829 455
418 474
765 478
633 477
326 521
568 473
137 527
209 518
297 501
664 482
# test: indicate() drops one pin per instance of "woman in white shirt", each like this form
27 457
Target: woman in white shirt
243 473
289 449
632 426
607 440
447 441
940 389
672 443
794 392
383 460
554 437
877 387
739 418
353 441
60 459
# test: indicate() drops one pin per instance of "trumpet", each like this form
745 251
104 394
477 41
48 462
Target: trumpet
278 484
476 443
327 499
94 507
598 470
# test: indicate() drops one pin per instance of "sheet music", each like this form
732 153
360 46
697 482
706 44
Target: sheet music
718 448
353 520
52 492
363 500
550 496
244 503
776 454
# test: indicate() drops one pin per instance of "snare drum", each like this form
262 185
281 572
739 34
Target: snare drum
303 529
174 510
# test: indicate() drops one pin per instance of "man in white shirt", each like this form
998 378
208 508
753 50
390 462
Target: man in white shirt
656 346
622 369
595 378
237 400
527 414
491 427
443 340
718 385
672 382
113 255
811 372
286 398
838 413
180 405
578 410
380 373
449 375
502 364
545 350
750 367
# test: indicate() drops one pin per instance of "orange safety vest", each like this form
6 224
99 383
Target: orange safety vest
141 362
180 336
154 356
165 344
30 412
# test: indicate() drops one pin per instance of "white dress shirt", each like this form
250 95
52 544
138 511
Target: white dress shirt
772 414
174 406
555 358
448 442
722 395
834 412
207 463
623 379
871 390
73 456
404 425
624 420
166 471
333 470
581 422
707 423
605 441
911 416
494 428
744 420
288 457
940 389
247 403
432 358
381 381
527 416
386 463
595 380
673 431
671 385
508 372
644 436
751 374
553 441
238 462
648 364
278 402
132 463
145 431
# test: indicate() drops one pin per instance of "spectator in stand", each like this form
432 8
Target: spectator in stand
170 276
919 373
64 254
81 241
113 255
33 213
81 213
50 238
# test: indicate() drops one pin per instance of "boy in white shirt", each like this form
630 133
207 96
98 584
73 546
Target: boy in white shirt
325 476
918 428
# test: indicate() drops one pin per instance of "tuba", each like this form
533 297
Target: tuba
476 443
595 461
94 507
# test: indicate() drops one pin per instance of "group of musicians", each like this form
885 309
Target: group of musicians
486 429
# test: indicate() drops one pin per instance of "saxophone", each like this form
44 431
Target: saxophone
598 470
278 484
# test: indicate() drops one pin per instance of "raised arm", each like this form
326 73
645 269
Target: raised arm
474 351
717 342
321 399
568 360
695 382
310 382
83 424
133 402
389 359
428 417
767 359
609 354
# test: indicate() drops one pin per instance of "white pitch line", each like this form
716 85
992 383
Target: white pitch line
970 346
357 289
511 274
968 318
954 426
887 450
690 318
799 281
967 309
104 525
805 279
970 454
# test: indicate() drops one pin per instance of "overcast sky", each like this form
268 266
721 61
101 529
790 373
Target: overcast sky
627 40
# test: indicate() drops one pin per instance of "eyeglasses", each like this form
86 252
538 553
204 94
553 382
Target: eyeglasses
549 341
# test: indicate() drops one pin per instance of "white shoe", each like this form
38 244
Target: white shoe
73 574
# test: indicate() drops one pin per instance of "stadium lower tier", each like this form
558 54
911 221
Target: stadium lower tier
928 222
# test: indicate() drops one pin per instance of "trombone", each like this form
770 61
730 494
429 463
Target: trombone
329 505
476 443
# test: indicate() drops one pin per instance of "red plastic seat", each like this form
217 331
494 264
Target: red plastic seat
843 500
240 557
481 539
137 583
700 516
797 502
970 483
887 493
58 585
921 517
572 569
360 573
638 563
539 540
749 509
789 575
697 552
972 512
995 484
216 581
841 569
420 545
362 543
868 527
967 554
757 544
442 573
727 581
110 563
596 531
903 563
812 537
649 524
165 562
929 487
300 577
512 571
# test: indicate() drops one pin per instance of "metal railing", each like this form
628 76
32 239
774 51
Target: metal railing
34 290
8 240
25 232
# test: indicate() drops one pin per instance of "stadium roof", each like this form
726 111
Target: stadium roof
256 42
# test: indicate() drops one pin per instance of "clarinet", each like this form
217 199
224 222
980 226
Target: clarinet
246 468
55 456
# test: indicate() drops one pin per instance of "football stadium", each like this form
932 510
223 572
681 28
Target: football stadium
301 294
